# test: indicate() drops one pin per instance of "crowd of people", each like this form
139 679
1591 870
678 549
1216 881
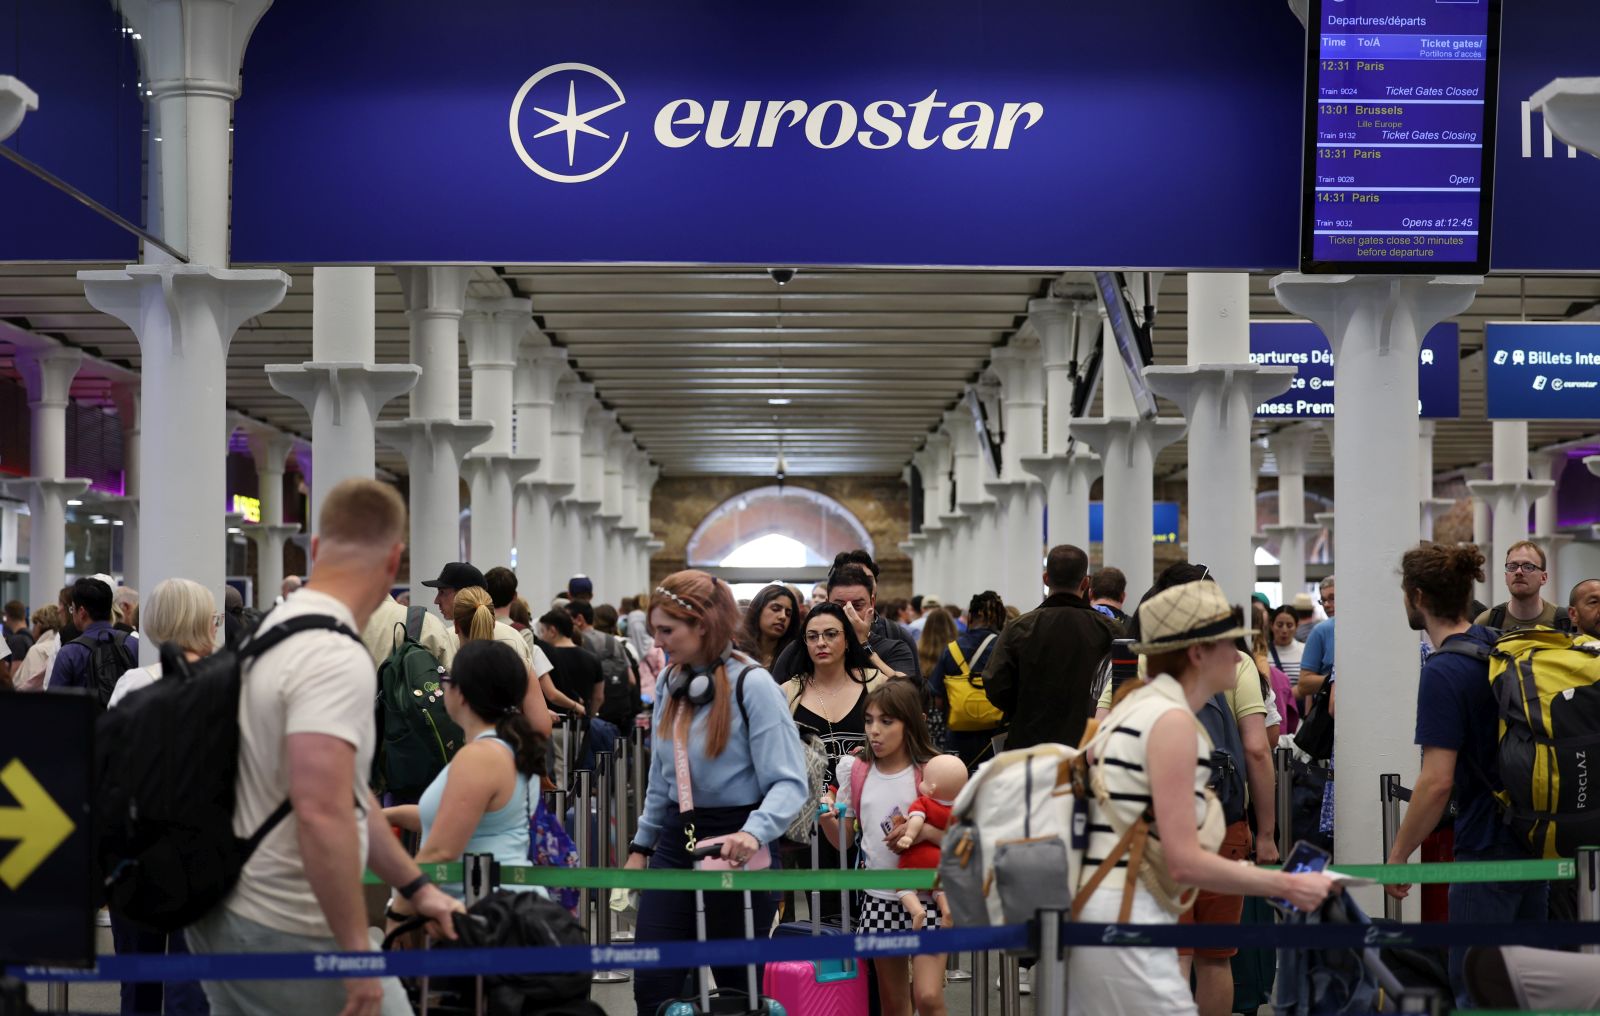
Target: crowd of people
756 713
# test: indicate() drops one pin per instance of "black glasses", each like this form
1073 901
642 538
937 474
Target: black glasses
827 633
1525 567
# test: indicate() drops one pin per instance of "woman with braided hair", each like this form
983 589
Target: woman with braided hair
986 615
727 771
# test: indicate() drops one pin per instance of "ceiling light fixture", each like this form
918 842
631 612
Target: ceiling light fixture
779 402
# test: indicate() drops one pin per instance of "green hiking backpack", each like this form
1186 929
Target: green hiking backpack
416 737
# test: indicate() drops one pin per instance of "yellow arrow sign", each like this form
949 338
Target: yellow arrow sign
37 823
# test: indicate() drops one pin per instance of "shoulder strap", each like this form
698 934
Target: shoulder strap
1497 617
955 654
1563 621
414 616
738 694
858 782
983 647
266 640
1470 648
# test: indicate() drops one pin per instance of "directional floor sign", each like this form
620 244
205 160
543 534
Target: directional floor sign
46 896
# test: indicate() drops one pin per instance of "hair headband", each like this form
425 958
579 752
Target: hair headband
680 601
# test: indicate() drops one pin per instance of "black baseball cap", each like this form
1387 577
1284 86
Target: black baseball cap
456 575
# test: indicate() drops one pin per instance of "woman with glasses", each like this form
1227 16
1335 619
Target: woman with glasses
481 802
182 612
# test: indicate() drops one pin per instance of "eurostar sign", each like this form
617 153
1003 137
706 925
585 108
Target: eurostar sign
928 122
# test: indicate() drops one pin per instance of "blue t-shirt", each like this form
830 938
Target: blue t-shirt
1456 710
1318 655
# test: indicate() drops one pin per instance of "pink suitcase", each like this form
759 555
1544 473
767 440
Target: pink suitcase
819 987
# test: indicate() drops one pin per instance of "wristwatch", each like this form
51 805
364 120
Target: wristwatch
412 887
634 848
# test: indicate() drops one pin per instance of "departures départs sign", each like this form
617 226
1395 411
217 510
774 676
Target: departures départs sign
1301 345
1399 148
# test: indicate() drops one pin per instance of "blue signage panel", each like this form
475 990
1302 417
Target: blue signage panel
88 131
937 132
1542 371
1302 345
897 133
1164 529
1400 122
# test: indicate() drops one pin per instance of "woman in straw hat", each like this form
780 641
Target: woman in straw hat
1149 770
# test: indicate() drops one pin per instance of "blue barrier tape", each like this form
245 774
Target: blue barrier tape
738 952
448 962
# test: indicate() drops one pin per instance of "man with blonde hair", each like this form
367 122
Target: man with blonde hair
307 738
1525 579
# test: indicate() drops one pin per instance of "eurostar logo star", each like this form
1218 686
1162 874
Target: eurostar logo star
570 122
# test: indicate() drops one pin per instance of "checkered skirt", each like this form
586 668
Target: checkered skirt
881 915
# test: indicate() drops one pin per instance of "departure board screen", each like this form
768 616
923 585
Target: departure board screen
1399 154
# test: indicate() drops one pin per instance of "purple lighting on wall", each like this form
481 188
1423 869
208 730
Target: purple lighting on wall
1578 491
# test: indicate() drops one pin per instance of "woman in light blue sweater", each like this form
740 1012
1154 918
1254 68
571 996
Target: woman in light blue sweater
728 719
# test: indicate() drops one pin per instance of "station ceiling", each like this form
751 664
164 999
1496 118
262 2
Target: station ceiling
691 359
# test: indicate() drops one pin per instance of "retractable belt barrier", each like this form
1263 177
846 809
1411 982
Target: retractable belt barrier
737 952
825 881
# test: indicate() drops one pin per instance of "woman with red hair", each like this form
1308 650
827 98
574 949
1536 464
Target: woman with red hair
709 784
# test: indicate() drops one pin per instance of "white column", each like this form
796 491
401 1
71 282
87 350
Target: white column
1018 492
1431 507
567 523
1127 445
125 395
978 550
935 503
270 448
1510 496
1375 327
434 439
539 368
1068 468
47 374
1218 391
599 422
613 511
1290 448
1258 458
341 387
1548 466
493 330
631 526
649 545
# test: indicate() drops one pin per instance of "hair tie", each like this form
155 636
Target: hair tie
510 711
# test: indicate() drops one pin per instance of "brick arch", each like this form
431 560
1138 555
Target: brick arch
816 520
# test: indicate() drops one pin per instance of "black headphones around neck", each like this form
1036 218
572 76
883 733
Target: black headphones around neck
693 683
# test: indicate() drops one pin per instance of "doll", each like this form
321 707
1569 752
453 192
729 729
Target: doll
942 779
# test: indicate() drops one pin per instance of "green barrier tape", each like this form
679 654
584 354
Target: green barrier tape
826 881
617 878
1461 871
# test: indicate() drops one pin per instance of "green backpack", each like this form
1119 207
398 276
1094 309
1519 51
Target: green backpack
416 737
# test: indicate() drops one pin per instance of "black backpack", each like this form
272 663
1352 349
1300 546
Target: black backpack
1227 757
415 735
622 701
166 763
109 659
515 920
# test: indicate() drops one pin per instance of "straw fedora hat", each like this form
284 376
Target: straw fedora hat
1188 615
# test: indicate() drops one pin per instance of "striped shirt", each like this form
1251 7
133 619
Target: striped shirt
1120 758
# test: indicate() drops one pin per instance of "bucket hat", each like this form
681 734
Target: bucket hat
1188 615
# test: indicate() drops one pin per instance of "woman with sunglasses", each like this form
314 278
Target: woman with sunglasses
481 801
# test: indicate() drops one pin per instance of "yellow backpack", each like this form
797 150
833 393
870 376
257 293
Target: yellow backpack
970 708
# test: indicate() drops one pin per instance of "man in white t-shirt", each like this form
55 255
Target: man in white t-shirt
307 736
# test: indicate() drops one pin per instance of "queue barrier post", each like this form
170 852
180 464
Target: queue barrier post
637 759
1281 759
1588 870
1050 973
980 984
622 814
1010 988
1389 795
582 841
55 997
479 877
605 766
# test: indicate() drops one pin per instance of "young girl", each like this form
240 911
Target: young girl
898 745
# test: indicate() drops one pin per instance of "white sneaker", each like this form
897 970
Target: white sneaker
1024 985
